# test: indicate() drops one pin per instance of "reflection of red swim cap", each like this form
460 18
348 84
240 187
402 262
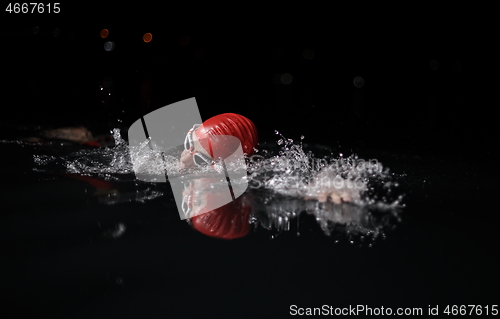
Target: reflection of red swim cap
228 124
226 222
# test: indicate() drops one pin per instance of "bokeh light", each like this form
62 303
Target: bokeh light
104 33
109 46
286 78
434 65
308 54
55 32
359 82
184 40
147 37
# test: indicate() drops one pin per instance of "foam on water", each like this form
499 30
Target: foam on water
292 173
118 159
101 161
297 175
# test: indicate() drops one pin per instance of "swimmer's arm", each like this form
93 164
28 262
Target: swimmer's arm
334 196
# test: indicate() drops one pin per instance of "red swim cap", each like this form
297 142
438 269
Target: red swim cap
211 135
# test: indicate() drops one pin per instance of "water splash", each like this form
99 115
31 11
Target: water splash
342 193
294 172
318 186
118 159
100 161
110 160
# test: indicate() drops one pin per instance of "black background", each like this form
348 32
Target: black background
437 125
235 56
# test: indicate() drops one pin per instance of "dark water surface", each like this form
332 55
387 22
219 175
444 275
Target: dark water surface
66 254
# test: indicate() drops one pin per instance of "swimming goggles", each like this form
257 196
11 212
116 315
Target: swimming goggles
198 158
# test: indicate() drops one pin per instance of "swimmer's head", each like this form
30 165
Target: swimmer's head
219 137
231 125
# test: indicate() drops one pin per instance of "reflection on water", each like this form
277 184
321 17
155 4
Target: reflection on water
227 222
344 194
138 195
277 213
347 218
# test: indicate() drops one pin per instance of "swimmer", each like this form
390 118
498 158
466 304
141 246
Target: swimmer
335 196
78 135
201 142
205 141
